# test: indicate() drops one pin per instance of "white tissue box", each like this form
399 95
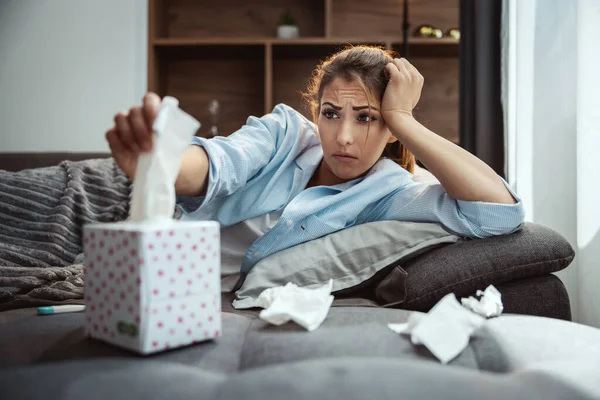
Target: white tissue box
152 286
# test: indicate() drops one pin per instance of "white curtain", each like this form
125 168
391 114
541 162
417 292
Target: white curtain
551 97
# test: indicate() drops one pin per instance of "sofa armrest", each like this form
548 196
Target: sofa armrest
470 265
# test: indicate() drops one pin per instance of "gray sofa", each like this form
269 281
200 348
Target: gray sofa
353 354
519 265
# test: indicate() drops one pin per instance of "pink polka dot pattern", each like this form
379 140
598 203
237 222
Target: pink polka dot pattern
150 290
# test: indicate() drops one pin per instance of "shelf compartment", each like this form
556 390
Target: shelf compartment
238 18
232 75
421 47
438 107
384 17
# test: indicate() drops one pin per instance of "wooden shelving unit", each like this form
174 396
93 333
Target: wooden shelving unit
227 50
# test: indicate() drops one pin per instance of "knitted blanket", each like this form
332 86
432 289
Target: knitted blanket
42 213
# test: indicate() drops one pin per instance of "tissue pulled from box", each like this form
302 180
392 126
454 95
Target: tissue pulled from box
489 305
306 307
153 195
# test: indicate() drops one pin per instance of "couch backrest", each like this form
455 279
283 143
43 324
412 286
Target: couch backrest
19 161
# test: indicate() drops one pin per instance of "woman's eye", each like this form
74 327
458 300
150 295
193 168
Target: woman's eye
329 114
366 118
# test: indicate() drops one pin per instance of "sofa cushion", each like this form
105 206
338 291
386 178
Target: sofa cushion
469 265
520 341
346 332
61 337
543 296
326 379
247 342
115 378
384 378
353 355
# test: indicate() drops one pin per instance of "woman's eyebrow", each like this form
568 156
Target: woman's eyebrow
363 107
357 108
333 106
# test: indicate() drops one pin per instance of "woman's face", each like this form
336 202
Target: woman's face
344 117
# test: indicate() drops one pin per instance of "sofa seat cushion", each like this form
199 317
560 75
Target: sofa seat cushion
247 342
353 354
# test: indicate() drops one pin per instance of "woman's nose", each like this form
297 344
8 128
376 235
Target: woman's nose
344 135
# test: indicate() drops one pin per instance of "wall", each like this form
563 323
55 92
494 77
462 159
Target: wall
588 163
66 67
554 156
554 131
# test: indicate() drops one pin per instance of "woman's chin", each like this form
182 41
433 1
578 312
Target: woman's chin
347 173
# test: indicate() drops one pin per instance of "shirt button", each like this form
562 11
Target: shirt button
256 254
290 222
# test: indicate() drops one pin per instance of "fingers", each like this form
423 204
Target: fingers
402 68
124 133
140 130
396 70
151 103
391 71
116 147
411 70
133 129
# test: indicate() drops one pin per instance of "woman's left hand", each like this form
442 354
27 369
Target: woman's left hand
403 90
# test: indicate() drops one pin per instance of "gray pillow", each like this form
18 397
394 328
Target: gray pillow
349 256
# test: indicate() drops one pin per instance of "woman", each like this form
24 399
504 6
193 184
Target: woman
281 180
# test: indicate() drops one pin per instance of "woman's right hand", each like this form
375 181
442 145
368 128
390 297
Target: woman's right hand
132 133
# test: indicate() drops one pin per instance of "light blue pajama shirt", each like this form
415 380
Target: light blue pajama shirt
265 166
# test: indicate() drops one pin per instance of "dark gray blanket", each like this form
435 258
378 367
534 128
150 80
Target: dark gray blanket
42 212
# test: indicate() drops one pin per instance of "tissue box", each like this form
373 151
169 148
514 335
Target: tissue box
152 286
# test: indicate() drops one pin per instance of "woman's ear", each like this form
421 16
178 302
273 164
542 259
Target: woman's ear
392 138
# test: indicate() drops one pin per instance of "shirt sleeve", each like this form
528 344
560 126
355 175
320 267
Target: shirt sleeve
235 159
431 203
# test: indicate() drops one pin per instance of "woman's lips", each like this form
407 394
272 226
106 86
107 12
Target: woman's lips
344 158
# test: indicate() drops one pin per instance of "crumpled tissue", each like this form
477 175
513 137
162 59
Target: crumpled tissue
489 305
306 307
153 194
446 329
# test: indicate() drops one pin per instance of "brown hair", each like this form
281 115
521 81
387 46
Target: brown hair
365 65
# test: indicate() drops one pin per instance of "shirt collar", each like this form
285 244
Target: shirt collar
310 159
